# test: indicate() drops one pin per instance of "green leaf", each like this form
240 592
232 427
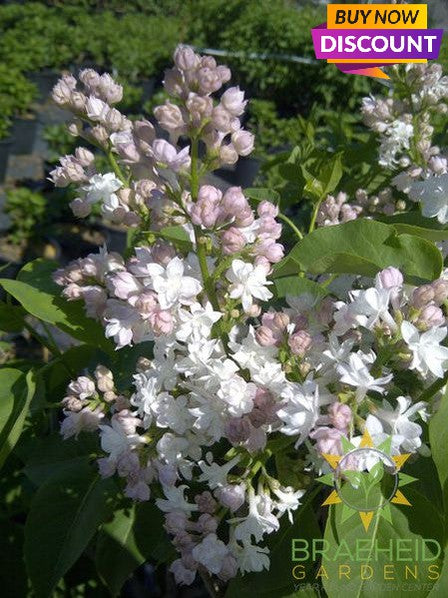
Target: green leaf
328 173
262 194
65 513
124 363
18 388
413 223
35 290
278 582
117 554
296 285
437 440
150 536
11 317
363 247
177 235
49 456
421 520
61 371
13 578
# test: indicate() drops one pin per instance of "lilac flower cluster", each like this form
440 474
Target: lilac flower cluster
230 375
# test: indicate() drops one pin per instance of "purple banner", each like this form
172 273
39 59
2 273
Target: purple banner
376 45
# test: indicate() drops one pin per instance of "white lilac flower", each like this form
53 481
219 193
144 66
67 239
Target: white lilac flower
238 394
251 557
196 321
432 193
299 409
175 500
373 306
172 448
171 285
427 353
356 373
102 188
259 521
171 412
213 474
210 553
85 420
288 500
116 442
248 282
398 422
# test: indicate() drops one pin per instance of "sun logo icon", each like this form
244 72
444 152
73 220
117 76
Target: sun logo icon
366 479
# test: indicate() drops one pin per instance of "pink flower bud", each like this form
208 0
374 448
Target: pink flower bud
232 241
84 156
110 91
228 154
271 250
90 78
328 440
146 303
175 522
431 316
199 108
440 288
80 207
162 252
83 387
269 227
129 153
100 135
72 403
300 342
340 415
173 82
234 201
423 295
231 496
205 502
185 58
237 429
206 210
161 322
96 109
169 116
265 337
209 80
389 278
243 142
233 101
221 119
104 378
72 292
267 209
62 91
113 120
224 73
244 217
123 285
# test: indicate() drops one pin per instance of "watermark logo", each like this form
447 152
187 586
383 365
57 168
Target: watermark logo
366 480
360 39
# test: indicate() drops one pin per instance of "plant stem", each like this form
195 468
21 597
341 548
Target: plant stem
314 215
116 167
291 224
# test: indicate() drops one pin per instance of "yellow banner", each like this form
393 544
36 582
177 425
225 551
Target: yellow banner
377 16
